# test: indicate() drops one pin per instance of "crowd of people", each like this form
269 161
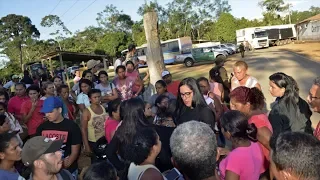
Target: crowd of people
214 128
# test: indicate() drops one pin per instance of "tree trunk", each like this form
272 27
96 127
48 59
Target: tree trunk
154 51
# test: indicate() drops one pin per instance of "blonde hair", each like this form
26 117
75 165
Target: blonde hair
241 64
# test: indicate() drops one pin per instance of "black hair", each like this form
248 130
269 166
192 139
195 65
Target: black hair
5 139
171 107
131 47
93 91
142 143
118 54
113 106
120 67
161 111
3 105
102 72
129 62
85 81
5 94
57 77
163 84
236 123
133 118
26 72
203 79
2 119
33 88
197 100
84 73
214 74
21 84
101 171
291 94
298 153
63 86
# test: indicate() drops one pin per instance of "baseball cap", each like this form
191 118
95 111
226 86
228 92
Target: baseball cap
37 146
15 77
220 60
50 104
164 73
92 63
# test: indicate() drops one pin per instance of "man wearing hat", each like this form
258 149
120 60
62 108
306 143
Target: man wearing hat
62 129
172 86
93 66
44 157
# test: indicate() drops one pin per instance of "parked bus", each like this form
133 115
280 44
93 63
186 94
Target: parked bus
170 49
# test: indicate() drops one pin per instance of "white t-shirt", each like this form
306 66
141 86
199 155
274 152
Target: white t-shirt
83 99
105 90
250 83
117 63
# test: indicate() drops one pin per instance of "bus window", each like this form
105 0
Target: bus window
173 46
165 48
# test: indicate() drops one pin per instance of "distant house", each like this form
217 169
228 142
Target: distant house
309 29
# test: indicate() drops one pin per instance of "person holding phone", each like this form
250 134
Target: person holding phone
30 110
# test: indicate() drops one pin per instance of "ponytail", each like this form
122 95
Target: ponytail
252 132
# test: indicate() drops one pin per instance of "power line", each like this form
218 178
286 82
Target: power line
69 8
81 12
55 7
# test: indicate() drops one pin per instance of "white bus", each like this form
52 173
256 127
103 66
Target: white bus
170 49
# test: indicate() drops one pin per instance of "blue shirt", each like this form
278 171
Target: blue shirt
8 175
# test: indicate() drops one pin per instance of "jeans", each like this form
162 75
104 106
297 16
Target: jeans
75 174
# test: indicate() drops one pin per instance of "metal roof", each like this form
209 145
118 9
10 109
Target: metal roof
313 18
72 56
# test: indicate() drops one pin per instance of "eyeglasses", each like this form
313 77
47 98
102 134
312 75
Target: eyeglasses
313 97
186 94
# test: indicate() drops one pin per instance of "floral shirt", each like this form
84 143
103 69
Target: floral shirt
124 89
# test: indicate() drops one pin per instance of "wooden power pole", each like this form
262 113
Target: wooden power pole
154 51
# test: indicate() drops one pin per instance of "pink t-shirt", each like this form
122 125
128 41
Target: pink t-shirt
244 161
133 74
261 120
110 127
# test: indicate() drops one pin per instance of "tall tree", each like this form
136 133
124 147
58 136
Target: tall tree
225 28
15 30
114 20
60 32
221 6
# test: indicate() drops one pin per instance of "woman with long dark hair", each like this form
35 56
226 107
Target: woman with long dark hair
161 89
87 74
10 152
133 119
108 89
163 116
142 154
289 112
245 159
191 104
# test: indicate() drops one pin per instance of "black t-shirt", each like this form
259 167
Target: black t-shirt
202 114
67 130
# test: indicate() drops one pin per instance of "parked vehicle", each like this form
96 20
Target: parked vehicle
72 70
281 34
256 37
199 55
224 49
232 46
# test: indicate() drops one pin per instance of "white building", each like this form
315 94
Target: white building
309 29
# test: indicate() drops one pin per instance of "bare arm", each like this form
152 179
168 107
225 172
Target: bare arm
258 86
84 129
75 149
27 116
112 97
82 107
231 175
151 174
263 136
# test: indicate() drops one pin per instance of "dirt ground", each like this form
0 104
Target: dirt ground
310 50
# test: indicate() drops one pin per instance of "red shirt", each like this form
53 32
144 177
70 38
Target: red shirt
71 110
261 121
173 87
36 117
110 127
14 105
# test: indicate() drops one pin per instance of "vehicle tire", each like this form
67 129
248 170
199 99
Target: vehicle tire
278 43
188 62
